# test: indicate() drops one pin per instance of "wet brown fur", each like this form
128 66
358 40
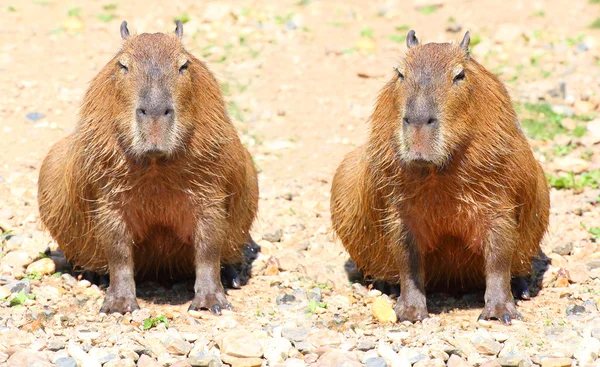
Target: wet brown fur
92 188
489 185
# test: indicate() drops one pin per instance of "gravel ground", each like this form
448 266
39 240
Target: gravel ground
300 78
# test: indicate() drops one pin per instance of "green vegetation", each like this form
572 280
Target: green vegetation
540 122
403 28
562 150
74 12
33 276
399 38
106 17
11 8
595 24
183 18
20 299
430 9
109 7
573 181
151 322
367 32
284 19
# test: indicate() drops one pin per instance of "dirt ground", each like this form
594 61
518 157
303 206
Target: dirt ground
301 79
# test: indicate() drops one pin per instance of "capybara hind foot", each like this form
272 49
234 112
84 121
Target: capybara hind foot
411 311
230 277
119 304
504 311
214 302
520 289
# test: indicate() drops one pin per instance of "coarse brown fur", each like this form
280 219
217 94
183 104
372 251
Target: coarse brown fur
199 197
483 195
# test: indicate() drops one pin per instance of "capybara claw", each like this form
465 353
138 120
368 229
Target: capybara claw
213 303
503 312
411 313
120 305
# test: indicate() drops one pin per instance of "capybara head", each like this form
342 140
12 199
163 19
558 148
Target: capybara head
153 84
432 93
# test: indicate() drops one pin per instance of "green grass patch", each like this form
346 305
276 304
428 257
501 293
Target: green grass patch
430 9
403 28
106 17
109 7
573 181
399 38
563 150
284 19
595 24
183 18
74 12
367 32
20 299
11 8
151 322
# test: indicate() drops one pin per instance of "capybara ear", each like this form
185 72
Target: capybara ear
411 39
464 44
124 30
179 29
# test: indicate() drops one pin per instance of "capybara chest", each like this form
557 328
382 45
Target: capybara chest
440 219
152 202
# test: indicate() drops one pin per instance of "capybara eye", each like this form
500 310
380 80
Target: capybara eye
125 68
460 76
184 67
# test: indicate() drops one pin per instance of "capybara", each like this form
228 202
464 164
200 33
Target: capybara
446 193
154 180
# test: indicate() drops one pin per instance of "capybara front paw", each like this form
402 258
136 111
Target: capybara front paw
412 313
117 304
504 311
214 302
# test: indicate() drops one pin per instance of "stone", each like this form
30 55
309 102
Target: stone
295 334
587 353
390 356
511 360
487 346
556 362
127 362
336 357
575 309
436 362
16 259
456 361
204 360
43 266
292 362
147 361
314 295
578 273
4 292
382 310
376 362
365 345
65 362
28 358
239 344
276 349
176 345
563 249
181 364
23 285
274 235
492 363
56 344
241 362
34 116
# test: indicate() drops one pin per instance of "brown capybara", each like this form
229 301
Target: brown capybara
154 179
446 193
